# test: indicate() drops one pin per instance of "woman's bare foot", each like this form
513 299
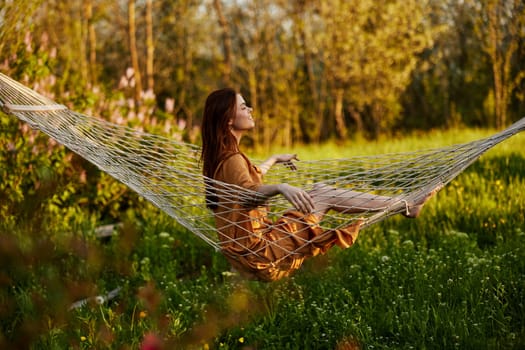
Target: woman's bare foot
413 210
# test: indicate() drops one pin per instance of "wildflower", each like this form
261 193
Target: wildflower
129 72
169 104
164 235
123 83
82 338
143 314
228 273
241 340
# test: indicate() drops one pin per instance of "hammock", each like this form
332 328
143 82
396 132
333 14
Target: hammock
168 173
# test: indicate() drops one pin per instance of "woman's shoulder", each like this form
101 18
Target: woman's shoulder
231 160
235 157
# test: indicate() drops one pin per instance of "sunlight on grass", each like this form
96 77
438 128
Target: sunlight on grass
386 145
453 278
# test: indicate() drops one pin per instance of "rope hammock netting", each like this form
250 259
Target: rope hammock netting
168 172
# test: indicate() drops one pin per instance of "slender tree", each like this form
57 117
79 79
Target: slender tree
150 47
226 43
369 53
17 18
501 24
91 42
312 89
132 33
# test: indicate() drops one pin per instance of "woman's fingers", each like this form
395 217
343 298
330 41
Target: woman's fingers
287 160
290 165
304 202
299 198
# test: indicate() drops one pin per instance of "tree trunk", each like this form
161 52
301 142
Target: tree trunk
83 45
339 115
92 38
314 106
150 48
356 117
133 51
321 111
503 34
494 36
226 43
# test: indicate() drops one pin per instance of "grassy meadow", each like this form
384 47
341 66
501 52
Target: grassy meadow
452 279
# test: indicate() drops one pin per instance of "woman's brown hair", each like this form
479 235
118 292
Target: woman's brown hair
217 139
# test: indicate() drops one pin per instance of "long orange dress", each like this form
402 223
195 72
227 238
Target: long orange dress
257 247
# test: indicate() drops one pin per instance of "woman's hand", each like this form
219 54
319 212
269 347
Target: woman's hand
286 159
299 198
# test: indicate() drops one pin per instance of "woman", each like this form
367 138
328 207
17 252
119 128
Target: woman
254 245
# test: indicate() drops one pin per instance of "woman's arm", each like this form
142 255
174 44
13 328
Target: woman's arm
235 170
298 197
278 158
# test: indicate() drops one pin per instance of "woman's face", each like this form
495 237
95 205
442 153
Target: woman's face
243 116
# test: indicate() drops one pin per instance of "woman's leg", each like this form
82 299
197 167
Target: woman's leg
346 201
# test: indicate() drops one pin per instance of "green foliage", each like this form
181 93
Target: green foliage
371 60
15 15
310 74
453 278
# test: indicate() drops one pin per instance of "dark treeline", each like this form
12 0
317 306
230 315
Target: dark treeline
313 70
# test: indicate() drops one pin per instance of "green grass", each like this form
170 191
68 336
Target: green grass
452 279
